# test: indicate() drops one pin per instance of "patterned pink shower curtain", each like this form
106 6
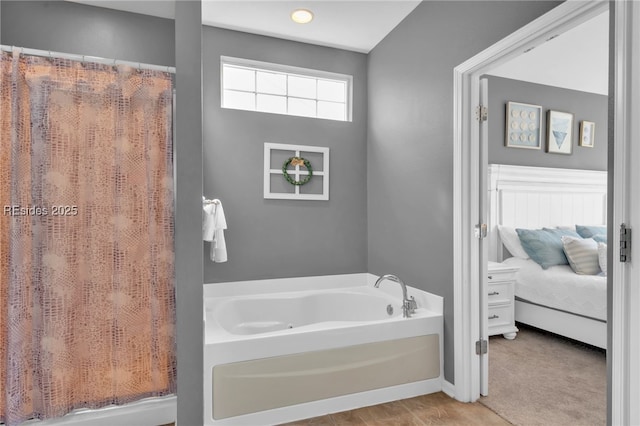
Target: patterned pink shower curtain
87 306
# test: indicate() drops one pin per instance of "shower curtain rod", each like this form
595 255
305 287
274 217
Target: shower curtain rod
87 58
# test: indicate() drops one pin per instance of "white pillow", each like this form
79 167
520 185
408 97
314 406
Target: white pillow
582 254
602 257
511 241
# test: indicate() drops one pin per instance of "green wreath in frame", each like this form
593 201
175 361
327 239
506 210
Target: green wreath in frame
297 161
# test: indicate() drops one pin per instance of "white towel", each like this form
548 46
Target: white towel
208 222
218 245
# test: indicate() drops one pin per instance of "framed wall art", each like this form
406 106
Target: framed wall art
296 172
523 126
560 132
587 133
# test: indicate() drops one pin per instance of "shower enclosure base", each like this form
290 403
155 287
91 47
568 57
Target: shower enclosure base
148 411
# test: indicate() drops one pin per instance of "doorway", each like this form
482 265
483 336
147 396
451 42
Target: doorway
468 268
623 206
532 187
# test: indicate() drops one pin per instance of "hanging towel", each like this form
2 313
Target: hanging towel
208 222
218 245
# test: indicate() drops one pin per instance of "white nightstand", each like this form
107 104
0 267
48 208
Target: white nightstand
500 288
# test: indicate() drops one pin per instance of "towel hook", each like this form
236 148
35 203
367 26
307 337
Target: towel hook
214 201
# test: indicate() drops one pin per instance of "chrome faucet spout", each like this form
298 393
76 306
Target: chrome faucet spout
409 306
395 279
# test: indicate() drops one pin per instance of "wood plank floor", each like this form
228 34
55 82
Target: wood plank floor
433 409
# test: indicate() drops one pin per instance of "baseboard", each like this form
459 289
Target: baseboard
449 388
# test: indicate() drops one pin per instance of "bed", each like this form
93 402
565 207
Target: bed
554 298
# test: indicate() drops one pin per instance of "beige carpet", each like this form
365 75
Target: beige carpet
543 379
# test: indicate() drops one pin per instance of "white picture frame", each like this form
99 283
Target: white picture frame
587 134
275 183
523 126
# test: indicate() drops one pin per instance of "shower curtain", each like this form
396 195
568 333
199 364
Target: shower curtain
87 305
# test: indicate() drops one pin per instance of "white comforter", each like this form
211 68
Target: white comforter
561 288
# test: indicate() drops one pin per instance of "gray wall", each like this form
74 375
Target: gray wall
283 238
584 106
410 150
188 213
87 30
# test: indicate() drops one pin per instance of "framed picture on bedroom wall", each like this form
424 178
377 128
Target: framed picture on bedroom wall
560 132
587 133
523 126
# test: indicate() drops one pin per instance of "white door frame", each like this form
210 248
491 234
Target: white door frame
466 165
624 291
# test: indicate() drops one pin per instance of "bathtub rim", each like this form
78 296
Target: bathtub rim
429 305
429 301
216 331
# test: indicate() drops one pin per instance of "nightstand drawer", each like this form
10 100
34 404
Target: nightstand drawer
500 315
500 293
500 305
500 276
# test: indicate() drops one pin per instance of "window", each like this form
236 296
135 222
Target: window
280 89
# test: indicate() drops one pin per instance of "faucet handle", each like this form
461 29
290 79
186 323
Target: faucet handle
411 304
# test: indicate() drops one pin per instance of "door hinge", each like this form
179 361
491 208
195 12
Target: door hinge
481 347
482 114
480 231
625 243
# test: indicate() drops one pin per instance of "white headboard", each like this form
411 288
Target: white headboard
535 197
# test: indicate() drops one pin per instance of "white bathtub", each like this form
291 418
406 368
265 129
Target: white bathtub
287 349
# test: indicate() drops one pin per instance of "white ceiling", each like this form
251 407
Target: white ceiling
577 59
159 8
353 25
357 25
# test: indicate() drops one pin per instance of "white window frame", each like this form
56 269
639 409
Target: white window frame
293 71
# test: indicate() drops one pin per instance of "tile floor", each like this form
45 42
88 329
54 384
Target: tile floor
433 409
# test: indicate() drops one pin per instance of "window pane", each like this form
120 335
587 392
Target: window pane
277 89
239 100
302 87
272 83
238 78
304 107
331 110
270 103
331 90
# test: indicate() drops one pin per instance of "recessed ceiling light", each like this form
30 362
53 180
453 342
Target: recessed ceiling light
302 16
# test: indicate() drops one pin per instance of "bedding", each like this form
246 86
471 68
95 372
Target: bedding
511 241
602 257
545 245
582 254
591 231
600 238
560 288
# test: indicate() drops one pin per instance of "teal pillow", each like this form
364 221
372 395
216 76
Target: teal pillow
544 246
590 231
600 238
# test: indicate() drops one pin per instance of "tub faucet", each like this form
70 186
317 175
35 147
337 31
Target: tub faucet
409 306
